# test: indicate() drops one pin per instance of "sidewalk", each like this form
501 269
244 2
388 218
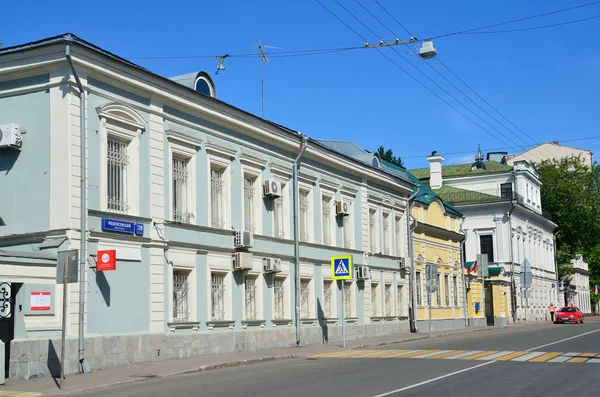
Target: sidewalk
145 371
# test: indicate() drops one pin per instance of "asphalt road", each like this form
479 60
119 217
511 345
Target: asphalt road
565 353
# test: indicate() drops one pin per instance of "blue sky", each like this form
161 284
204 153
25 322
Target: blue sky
544 81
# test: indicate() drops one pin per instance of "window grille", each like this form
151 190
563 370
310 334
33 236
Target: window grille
180 180
347 232
348 300
386 241
278 217
400 302
216 196
388 300
279 298
398 236
249 205
304 299
180 295
251 293
117 162
419 293
438 294
327 299
374 300
218 297
326 204
304 208
446 290
373 231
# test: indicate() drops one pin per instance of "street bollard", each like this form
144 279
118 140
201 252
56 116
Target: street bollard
2 363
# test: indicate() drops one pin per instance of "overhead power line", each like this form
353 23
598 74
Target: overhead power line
535 27
467 31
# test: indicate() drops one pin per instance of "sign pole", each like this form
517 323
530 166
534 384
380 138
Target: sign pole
343 314
64 322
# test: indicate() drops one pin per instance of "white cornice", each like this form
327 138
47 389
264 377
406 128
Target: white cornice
253 161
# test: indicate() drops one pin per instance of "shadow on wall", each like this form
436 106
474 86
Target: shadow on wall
322 321
53 362
8 158
104 287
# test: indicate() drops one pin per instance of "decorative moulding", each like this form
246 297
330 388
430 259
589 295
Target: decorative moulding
219 150
253 161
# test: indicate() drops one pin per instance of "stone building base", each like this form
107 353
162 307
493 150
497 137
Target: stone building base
440 325
39 358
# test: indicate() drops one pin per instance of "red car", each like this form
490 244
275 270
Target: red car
568 314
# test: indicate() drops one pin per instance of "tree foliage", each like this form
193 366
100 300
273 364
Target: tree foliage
388 155
571 193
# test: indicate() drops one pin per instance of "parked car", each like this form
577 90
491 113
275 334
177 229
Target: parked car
569 314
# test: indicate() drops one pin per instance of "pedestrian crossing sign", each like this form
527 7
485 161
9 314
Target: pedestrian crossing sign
341 267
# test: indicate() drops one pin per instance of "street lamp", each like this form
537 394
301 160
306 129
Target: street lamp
427 50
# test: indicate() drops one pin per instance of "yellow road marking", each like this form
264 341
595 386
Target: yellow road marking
447 354
387 353
478 355
545 357
413 354
590 355
323 354
578 360
358 353
19 394
510 356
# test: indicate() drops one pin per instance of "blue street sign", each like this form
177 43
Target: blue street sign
341 267
139 229
113 225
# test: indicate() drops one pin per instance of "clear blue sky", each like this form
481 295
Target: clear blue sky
545 81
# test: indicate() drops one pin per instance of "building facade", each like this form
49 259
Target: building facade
575 288
197 199
550 151
503 220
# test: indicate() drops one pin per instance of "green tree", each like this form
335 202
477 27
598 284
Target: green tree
571 194
388 155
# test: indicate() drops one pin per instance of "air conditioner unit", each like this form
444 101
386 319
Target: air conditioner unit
362 272
402 263
243 239
10 136
242 261
272 189
272 265
342 208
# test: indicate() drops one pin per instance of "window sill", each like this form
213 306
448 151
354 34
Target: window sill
351 320
309 321
253 323
283 322
109 214
384 319
220 324
193 325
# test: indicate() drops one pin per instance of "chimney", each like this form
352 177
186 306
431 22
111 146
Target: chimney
435 170
555 142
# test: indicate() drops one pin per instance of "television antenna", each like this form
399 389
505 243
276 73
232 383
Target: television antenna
263 59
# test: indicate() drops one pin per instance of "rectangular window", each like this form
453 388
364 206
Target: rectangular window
217 209
419 287
373 230
386 234
304 216
486 246
348 310
446 290
326 219
387 303
400 300
217 294
279 298
305 299
374 300
328 298
438 294
398 235
181 290
117 162
455 291
279 215
506 190
250 292
249 204
347 231
180 190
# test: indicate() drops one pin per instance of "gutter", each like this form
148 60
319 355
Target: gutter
411 281
513 296
462 273
303 147
556 264
68 39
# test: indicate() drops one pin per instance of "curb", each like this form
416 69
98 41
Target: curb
142 378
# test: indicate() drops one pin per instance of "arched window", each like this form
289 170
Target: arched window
204 85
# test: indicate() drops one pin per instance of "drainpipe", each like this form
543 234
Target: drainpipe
296 236
411 281
556 266
513 298
462 273
84 368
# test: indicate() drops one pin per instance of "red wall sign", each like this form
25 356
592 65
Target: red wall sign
107 260
40 301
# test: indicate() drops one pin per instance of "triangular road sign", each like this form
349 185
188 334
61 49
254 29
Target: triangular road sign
341 268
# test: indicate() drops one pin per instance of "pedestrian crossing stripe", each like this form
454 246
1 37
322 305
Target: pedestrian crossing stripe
490 355
19 393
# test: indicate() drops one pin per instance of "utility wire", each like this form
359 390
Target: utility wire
414 78
467 85
535 27
427 77
511 21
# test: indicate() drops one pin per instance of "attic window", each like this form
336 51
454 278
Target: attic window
478 166
203 86
376 162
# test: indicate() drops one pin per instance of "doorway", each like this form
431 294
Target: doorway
489 304
8 293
